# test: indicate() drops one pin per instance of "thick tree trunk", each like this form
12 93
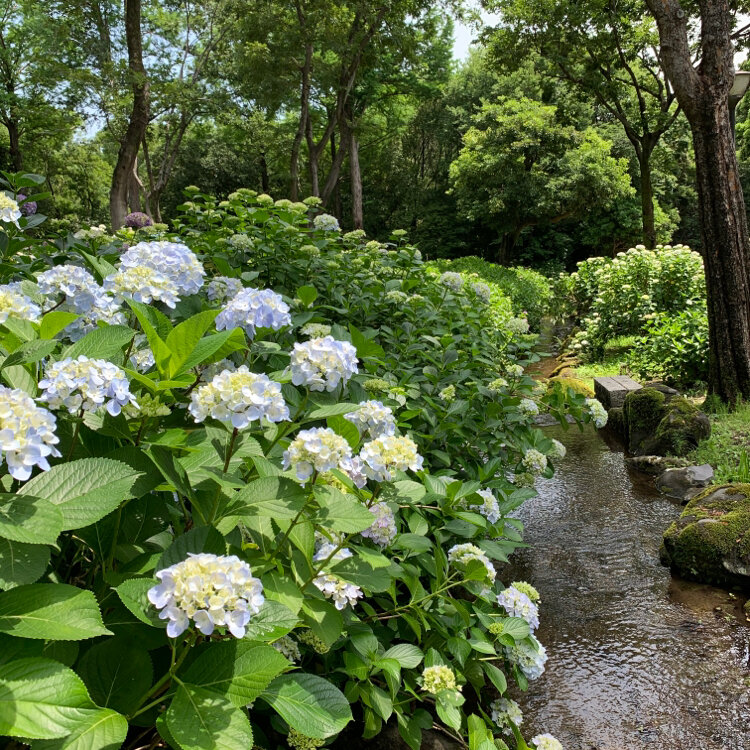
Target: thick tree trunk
647 199
130 145
356 182
14 139
726 254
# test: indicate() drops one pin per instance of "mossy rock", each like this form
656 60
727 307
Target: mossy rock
681 429
643 411
616 421
710 541
581 387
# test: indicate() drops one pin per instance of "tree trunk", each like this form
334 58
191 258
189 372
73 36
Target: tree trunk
647 199
304 124
14 138
130 144
356 182
265 184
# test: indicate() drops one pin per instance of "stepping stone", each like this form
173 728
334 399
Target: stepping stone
612 391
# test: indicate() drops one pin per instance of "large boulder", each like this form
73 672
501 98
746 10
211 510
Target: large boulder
710 541
643 410
685 482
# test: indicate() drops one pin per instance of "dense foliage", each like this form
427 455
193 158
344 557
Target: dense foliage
295 450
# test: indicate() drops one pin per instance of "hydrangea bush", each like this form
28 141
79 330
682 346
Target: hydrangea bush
245 518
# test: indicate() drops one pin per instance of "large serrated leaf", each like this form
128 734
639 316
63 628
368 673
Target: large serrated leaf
29 519
21 563
274 497
101 343
341 512
183 339
51 611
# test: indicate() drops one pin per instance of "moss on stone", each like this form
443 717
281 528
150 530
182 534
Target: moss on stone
681 429
578 386
616 421
710 541
643 410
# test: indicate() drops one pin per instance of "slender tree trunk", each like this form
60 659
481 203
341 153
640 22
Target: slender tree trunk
333 175
14 139
356 182
647 199
264 181
304 123
128 153
313 156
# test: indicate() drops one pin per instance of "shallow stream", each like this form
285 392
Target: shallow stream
636 659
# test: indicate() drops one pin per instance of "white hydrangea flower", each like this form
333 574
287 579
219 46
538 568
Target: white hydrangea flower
319 449
15 304
338 590
504 711
489 507
528 407
462 554
558 449
142 284
238 398
373 418
105 309
288 647
10 213
254 308
598 412
497 385
27 433
437 678
241 242
388 453
518 325
453 280
315 330
515 371
518 604
383 529
172 259
534 461
546 742
211 590
326 223
322 364
448 394
396 296
482 291
86 384
91 233
222 288
77 285
530 657
142 358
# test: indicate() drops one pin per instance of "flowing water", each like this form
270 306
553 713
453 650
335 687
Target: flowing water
636 659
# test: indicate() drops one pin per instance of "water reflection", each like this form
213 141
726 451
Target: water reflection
636 660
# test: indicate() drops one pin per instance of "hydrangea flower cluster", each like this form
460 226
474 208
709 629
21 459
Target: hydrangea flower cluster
254 308
238 398
77 285
319 449
462 554
315 330
326 223
518 325
489 507
515 371
505 711
373 418
437 678
138 220
598 412
338 590
546 742
482 291
453 280
528 589
10 213
288 647
91 233
27 208
396 296
534 461
241 242
528 407
497 385
211 590
27 433
558 449
448 394
222 288
14 303
322 364
86 384
298 741
142 284
383 530
209 372
388 453
530 657
518 604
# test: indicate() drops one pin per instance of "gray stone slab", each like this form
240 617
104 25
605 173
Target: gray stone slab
611 391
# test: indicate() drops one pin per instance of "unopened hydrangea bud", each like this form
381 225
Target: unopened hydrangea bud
319 449
86 384
222 288
27 433
518 325
288 647
315 330
298 741
518 604
211 590
373 418
448 394
528 589
238 398
383 529
437 678
497 385
323 364
310 639
388 453
376 385
241 242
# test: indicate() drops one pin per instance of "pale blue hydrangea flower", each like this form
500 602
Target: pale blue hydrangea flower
373 418
27 433
254 308
86 384
482 291
383 529
558 449
318 449
453 280
104 309
326 223
529 655
504 711
142 284
76 284
489 507
323 364
173 260
528 407
518 604
15 304
288 647
598 412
